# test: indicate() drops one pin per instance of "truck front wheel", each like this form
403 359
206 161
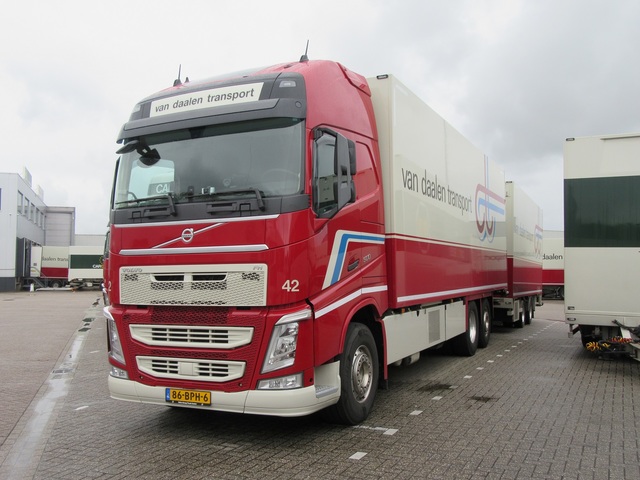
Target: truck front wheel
359 371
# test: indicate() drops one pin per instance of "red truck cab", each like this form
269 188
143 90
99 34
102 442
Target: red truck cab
246 225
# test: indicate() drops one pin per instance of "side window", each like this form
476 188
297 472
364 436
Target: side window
324 201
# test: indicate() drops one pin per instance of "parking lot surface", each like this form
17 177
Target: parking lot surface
533 404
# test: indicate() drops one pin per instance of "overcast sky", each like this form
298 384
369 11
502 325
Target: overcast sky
516 77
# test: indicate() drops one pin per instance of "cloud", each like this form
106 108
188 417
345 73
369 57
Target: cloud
515 77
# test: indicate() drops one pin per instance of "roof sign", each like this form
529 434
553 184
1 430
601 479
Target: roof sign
215 97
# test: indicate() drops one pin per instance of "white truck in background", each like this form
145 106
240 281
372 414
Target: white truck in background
602 241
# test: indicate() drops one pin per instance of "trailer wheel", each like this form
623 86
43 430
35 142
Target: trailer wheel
587 334
466 344
359 371
485 324
520 322
528 312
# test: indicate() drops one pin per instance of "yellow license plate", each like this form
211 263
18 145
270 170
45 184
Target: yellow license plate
188 397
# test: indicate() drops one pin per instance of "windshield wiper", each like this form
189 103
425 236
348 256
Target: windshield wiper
137 201
240 191
231 192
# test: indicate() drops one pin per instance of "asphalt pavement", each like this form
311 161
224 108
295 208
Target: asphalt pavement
533 404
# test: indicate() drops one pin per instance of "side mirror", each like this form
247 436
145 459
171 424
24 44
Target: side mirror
334 165
352 156
342 185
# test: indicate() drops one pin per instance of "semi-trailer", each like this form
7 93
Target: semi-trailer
85 266
49 267
58 266
602 241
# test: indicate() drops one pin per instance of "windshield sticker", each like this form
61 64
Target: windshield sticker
216 97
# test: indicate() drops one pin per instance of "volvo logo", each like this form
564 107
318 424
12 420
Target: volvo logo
187 235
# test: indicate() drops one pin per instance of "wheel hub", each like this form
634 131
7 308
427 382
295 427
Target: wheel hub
361 374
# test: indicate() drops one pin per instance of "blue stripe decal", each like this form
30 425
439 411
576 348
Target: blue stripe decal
342 249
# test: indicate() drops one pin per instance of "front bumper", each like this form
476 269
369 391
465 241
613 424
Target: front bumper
283 403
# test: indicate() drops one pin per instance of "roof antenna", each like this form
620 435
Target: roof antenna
177 81
304 57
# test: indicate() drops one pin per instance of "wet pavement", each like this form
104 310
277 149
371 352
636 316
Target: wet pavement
534 404
40 341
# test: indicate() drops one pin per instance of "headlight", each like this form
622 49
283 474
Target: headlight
115 347
284 340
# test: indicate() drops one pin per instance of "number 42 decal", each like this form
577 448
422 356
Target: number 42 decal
291 286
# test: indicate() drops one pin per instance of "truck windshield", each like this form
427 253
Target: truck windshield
262 157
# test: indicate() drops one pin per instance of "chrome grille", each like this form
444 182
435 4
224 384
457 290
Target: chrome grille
207 285
189 336
191 369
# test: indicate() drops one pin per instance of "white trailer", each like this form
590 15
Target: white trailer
49 266
444 203
553 265
602 240
524 259
85 266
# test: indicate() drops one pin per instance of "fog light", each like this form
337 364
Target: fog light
281 383
119 373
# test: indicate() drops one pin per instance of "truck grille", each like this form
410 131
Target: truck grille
186 336
220 351
207 285
191 369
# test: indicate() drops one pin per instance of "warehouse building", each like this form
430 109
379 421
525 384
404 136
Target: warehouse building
26 221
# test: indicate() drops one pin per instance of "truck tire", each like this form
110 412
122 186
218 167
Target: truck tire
359 372
528 311
485 324
466 344
520 323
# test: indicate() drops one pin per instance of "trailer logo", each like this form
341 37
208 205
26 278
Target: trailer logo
488 205
187 235
537 241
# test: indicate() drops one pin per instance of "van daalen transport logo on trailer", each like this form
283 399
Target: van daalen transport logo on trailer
488 205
